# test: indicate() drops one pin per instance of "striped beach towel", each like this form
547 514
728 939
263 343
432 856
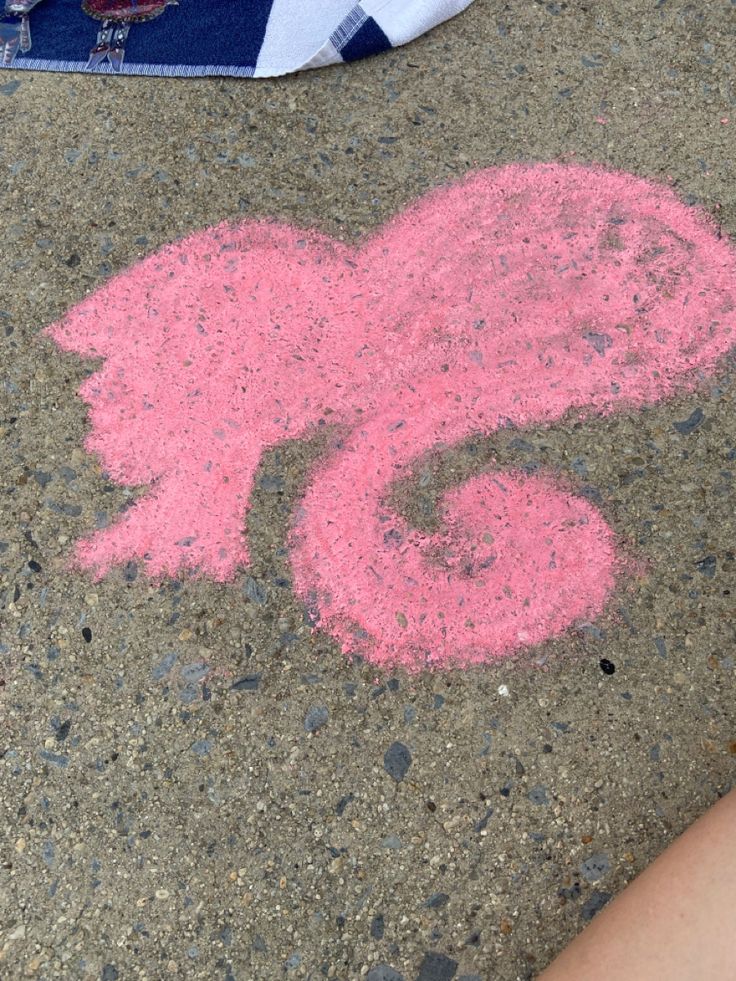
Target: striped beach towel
245 38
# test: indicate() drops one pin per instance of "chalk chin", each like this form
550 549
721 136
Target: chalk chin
153 533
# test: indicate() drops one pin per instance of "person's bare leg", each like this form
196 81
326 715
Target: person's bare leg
676 921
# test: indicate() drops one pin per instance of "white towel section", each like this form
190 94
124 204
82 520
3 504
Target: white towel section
295 31
403 20
303 34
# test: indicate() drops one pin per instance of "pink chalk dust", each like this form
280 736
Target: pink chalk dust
511 298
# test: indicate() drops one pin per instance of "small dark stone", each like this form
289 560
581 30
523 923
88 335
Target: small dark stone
568 893
688 425
706 566
437 967
130 572
34 566
160 670
316 717
393 538
87 634
189 693
538 795
595 867
196 671
382 972
594 904
521 444
397 760
607 667
63 731
48 854
599 342
271 484
251 682
343 803
255 591
483 823
437 900
71 510
591 493
378 927
109 973
628 478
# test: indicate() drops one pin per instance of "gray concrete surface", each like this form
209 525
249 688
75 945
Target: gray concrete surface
157 823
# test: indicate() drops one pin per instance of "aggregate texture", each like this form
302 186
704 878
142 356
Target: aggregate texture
198 784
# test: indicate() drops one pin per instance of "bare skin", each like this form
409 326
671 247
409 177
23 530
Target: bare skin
676 921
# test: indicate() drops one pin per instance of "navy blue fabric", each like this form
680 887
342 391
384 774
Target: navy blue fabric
197 32
369 39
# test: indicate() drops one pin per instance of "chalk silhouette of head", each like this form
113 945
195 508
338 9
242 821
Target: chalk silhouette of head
515 297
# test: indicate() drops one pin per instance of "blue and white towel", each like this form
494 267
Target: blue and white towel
246 38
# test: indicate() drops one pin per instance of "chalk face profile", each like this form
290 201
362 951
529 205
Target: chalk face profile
512 298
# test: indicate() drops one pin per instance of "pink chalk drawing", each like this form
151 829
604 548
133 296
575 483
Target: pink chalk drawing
515 297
